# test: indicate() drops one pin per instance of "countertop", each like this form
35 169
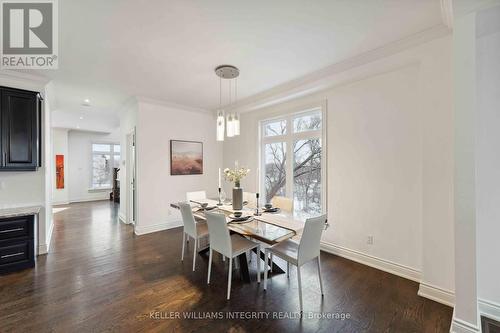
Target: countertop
19 211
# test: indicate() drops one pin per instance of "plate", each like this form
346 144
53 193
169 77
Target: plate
241 219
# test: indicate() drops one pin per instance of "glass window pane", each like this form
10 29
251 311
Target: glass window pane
275 169
97 147
116 161
273 128
307 122
101 170
307 177
116 148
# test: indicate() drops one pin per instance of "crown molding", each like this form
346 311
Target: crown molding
148 100
321 79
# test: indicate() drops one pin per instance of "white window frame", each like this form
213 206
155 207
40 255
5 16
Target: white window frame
289 139
112 153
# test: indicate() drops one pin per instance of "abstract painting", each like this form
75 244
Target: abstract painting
59 171
186 158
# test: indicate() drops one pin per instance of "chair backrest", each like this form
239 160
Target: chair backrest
311 238
196 196
285 204
188 219
218 232
250 198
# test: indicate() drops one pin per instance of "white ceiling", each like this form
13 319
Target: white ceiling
167 50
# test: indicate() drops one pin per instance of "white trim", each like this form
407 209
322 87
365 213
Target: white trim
57 203
372 261
44 248
437 294
489 309
447 13
148 100
140 230
122 218
460 326
106 198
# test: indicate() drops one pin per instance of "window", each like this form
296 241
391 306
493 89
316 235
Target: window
105 157
299 136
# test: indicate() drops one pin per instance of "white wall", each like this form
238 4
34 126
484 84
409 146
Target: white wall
80 164
488 160
156 125
390 163
60 147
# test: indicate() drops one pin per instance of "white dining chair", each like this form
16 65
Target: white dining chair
286 206
283 203
230 246
196 230
300 253
196 196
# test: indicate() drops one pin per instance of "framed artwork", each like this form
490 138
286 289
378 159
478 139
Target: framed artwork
59 171
186 157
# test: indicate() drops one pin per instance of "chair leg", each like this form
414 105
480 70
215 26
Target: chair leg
320 279
271 262
258 263
183 245
265 270
229 278
287 269
300 288
209 266
194 253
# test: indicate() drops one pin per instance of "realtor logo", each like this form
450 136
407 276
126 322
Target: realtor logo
29 34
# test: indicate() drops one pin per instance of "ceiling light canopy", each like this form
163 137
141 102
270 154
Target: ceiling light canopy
232 128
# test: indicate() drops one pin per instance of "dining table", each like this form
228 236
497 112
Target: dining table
267 227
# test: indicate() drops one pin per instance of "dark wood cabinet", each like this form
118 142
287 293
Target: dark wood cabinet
17 249
20 130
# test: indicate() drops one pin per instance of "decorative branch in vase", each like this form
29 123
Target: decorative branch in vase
235 176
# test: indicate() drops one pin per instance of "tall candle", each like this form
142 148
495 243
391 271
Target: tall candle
219 179
236 164
258 180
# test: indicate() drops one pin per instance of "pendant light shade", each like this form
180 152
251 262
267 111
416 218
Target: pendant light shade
236 124
220 126
230 126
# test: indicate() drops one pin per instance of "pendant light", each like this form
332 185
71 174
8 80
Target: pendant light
230 123
220 115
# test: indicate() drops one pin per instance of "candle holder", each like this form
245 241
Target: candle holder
220 201
257 213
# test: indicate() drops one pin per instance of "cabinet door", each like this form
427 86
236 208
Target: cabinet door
19 111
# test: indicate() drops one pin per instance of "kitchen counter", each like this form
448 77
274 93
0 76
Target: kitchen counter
19 211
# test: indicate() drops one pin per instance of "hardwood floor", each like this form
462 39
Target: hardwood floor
99 277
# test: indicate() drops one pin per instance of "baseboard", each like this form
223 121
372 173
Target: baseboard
142 230
122 218
460 326
372 261
88 199
44 248
57 203
489 309
437 294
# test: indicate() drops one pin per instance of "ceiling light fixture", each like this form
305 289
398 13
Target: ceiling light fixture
86 102
230 73
81 117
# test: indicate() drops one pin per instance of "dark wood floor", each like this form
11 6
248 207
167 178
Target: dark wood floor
99 277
